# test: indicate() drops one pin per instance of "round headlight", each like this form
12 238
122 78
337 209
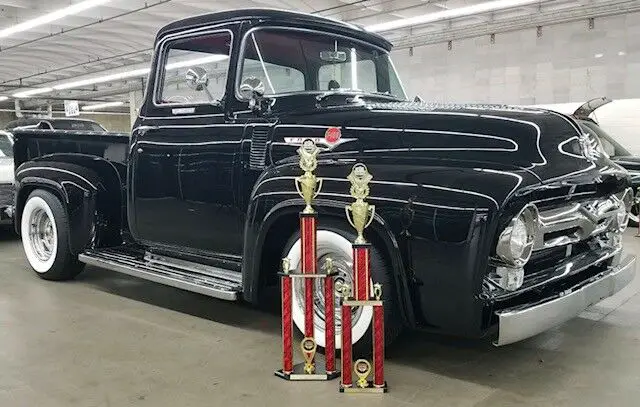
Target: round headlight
515 243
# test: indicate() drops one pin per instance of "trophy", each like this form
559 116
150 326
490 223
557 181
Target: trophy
308 186
360 214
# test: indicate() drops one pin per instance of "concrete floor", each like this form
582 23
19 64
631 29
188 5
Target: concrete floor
109 340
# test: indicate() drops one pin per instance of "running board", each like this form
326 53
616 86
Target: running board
223 284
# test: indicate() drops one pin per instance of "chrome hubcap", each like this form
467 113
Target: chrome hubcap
41 234
343 265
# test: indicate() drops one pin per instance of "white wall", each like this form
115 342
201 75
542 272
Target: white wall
520 68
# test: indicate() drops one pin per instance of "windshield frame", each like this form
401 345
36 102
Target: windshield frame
246 38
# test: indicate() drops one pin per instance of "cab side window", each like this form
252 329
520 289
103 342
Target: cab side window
195 70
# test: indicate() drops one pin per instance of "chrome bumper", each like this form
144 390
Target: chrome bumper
516 325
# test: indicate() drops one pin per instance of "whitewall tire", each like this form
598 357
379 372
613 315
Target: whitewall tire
44 228
335 242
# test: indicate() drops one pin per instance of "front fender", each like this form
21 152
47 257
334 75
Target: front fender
77 187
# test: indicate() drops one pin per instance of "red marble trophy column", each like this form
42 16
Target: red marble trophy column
287 326
361 272
378 346
347 361
308 222
330 326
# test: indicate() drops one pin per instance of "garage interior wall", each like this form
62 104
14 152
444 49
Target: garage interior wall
566 63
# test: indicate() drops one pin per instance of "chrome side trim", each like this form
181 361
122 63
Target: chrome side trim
216 272
201 284
517 324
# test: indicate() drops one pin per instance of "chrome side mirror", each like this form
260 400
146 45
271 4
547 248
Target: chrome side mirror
251 88
197 78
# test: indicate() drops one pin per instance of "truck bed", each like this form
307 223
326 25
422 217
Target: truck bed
33 143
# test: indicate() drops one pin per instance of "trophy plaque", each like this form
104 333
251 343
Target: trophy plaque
360 214
308 186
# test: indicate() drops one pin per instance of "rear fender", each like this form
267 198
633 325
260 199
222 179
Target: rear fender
76 186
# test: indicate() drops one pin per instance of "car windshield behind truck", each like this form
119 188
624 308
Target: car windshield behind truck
6 147
290 60
610 146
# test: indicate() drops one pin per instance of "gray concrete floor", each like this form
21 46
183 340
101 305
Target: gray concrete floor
109 340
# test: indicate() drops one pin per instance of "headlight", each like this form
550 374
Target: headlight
515 243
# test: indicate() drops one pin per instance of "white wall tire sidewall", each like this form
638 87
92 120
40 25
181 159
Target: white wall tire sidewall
327 237
33 204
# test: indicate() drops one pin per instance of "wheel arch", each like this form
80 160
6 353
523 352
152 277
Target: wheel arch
77 188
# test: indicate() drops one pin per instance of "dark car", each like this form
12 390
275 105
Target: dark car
56 123
616 152
490 220
6 178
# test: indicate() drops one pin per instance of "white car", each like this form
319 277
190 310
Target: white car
6 178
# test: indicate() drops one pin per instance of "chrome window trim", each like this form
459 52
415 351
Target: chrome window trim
243 43
161 53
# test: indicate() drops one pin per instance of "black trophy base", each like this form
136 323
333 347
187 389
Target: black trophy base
370 388
299 374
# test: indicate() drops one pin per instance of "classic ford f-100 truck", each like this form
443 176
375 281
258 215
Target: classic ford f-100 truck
491 221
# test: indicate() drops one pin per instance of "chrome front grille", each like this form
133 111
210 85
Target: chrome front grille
578 221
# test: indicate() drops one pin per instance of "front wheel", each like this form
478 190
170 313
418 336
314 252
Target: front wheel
335 242
45 232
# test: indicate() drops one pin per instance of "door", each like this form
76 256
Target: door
186 158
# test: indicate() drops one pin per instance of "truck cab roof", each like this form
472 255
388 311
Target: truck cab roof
287 18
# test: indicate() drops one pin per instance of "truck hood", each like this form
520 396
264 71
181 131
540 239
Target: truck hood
544 143
6 170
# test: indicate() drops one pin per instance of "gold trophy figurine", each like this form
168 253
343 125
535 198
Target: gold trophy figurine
307 184
362 213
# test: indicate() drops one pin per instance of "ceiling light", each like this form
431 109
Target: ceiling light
53 16
121 75
3 98
622 53
99 106
598 55
198 61
31 92
102 79
451 13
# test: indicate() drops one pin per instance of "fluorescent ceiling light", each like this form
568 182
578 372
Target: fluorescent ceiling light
53 16
102 79
3 98
451 13
198 61
31 92
122 75
99 106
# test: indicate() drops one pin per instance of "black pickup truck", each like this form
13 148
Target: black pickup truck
491 221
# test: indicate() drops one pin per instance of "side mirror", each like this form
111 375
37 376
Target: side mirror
251 88
197 78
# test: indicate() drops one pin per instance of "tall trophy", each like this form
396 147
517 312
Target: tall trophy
308 186
360 214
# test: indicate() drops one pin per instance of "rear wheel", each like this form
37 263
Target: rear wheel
45 237
334 242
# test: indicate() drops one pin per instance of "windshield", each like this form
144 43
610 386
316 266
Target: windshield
76 125
6 146
610 146
287 61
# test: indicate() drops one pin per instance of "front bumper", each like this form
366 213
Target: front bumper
521 323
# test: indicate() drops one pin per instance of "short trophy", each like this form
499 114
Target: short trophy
360 214
308 186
